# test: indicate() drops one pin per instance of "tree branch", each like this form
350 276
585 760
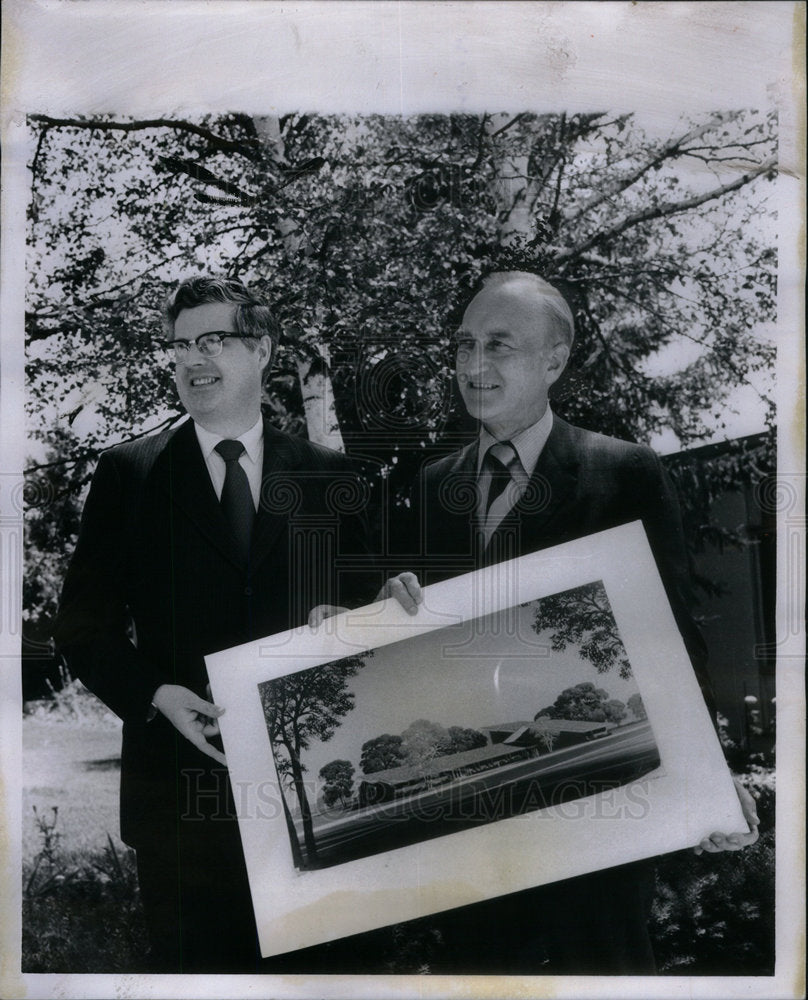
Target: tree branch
218 141
670 149
74 459
665 210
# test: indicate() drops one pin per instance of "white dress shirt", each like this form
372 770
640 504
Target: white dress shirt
251 459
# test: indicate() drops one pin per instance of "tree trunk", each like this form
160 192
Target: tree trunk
305 809
322 422
514 197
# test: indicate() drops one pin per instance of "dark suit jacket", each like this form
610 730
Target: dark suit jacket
155 553
583 483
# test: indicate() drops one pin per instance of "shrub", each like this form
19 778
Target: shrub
714 913
81 912
71 703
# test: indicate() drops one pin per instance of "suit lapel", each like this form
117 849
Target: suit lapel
277 502
465 463
450 512
184 474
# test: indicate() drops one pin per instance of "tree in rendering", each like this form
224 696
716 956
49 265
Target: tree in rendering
636 707
381 752
338 782
423 741
302 707
583 618
466 739
586 703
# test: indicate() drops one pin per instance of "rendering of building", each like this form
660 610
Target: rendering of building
508 743
395 782
560 732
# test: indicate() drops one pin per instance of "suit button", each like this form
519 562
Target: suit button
248 591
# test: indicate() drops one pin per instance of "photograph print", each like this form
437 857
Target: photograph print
366 234
530 707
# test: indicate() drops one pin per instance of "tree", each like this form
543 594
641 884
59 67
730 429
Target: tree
466 739
547 738
367 233
381 753
586 703
583 617
422 742
302 707
636 707
422 204
338 778
51 525
615 710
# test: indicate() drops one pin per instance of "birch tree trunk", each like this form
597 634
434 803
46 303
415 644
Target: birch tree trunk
515 196
320 410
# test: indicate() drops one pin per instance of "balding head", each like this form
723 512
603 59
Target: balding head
513 344
549 302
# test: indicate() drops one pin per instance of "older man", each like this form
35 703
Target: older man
193 540
539 482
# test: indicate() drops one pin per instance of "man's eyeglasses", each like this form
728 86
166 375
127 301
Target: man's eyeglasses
209 345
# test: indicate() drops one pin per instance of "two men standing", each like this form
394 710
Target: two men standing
190 536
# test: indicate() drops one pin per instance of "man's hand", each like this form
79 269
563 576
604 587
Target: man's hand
319 614
190 715
406 589
718 842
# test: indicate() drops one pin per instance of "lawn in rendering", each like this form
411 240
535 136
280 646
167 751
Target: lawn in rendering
529 707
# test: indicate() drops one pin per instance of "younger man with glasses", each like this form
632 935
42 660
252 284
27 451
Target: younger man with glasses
192 541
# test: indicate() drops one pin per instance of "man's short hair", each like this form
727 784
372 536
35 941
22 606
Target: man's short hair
253 317
552 301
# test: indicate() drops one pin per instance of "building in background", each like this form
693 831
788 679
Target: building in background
738 617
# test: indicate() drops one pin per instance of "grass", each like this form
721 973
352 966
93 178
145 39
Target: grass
76 769
81 909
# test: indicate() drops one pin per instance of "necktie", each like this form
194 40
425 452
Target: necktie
236 500
498 460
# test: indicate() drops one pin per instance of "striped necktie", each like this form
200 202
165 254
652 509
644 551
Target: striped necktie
498 460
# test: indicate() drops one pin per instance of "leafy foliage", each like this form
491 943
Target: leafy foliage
420 743
338 778
367 234
714 914
583 617
81 912
423 741
381 752
586 703
466 739
52 517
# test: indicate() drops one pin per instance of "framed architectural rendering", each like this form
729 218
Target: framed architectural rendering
535 720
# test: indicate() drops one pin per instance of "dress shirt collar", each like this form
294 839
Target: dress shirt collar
528 443
252 439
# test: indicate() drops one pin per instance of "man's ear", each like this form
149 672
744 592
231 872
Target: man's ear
265 351
557 361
